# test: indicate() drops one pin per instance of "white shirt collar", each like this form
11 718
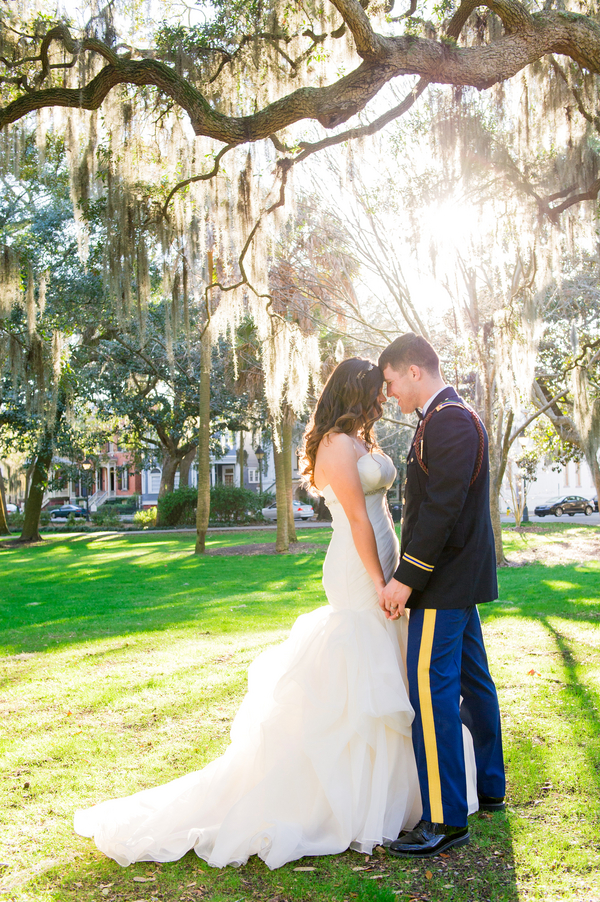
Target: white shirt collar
427 404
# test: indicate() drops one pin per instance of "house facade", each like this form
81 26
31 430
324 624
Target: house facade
116 475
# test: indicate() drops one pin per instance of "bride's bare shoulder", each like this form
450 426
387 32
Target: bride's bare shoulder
334 444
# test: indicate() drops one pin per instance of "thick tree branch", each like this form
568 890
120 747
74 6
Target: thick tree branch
513 15
528 38
538 412
564 425
590 193
369 45
363 131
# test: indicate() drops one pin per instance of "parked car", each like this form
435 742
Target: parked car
594 501
301 511
565 504
62 513
11 508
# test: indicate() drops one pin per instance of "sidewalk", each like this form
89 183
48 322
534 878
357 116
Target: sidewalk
309 524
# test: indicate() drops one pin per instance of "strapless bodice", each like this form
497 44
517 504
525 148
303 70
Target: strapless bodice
376 472
347 583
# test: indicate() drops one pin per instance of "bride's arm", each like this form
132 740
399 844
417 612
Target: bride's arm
336 459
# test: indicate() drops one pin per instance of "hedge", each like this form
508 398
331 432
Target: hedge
228 504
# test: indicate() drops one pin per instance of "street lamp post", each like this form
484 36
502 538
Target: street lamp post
260 454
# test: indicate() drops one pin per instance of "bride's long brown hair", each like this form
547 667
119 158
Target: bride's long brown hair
348 403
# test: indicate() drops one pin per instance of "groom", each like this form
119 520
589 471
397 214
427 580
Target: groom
447 567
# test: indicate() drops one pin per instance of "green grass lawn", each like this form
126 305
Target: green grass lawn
124 659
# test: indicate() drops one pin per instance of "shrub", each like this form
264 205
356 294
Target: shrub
108 518
231 504
145 518
178 508
228 504
125 505
16 520
74 524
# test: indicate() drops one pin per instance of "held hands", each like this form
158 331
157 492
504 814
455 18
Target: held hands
393 598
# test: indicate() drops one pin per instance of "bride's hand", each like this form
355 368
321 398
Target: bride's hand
393 598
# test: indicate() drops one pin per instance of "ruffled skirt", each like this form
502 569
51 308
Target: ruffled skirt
320 758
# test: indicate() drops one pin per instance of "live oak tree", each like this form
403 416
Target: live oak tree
190 65
40 289
237 90
154 400
568 371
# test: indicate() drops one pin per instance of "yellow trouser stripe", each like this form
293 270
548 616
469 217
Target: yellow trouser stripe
431 752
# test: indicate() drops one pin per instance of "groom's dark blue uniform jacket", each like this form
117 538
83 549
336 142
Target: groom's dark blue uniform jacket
447 550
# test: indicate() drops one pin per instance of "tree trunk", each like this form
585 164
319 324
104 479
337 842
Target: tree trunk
498 456
167 480
203 509
495 486
596 477
282 542
39 481
169 469
185 465
241 458
4 530
28 475
586 413
286 448
497 526
323 512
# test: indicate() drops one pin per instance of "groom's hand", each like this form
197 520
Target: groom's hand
393 598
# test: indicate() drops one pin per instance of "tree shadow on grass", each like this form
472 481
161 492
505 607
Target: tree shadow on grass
581 696
560 599
82 589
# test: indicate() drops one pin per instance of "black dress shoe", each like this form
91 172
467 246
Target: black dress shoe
428 839
491 803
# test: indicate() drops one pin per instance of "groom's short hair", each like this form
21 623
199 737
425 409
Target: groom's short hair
409 349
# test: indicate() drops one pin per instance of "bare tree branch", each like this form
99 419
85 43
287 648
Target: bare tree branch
205 176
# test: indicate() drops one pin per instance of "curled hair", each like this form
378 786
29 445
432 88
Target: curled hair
348 404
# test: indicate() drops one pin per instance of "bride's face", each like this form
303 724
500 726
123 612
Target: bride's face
377 408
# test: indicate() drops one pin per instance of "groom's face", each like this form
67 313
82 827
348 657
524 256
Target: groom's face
404 386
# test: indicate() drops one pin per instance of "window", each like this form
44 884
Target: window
253 474
228 476
124 479
155 481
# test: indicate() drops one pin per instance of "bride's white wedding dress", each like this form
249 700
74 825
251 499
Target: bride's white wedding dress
321 756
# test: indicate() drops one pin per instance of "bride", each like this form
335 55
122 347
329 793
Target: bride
321 757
